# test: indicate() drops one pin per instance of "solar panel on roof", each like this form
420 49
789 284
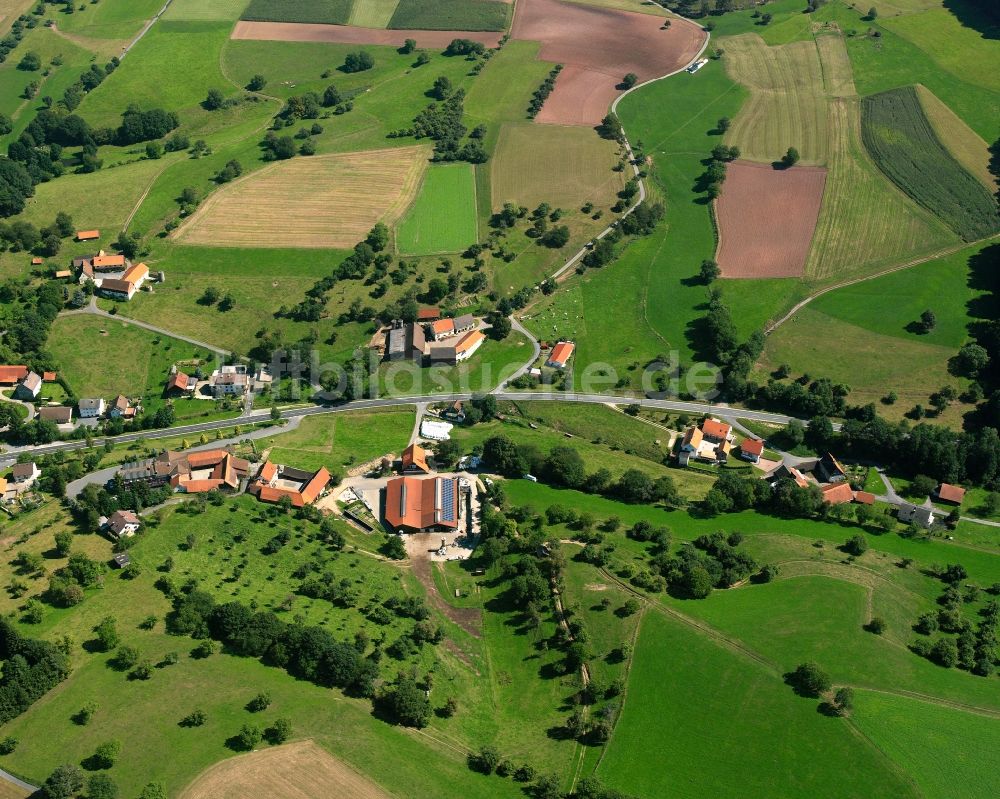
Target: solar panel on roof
448 500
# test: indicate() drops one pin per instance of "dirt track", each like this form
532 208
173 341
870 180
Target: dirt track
598 47
294 771
766 219
348 34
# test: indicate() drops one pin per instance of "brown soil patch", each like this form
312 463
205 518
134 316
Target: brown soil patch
349 34
598 47
766 219
469 619
319 201
295 771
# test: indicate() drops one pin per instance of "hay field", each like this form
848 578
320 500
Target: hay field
319 201
372 13
561 165
788 101
294 771
961 141
865 222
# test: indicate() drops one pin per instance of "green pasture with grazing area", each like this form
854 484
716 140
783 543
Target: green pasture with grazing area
108 19
683 685
902 142
228 10
101 357
953 287
820 345
969 51
372 13
341 441
140 78
819 618
941 748
442 219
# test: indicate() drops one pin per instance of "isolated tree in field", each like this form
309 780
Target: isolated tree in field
872 14
876 625
106 754
843 701
409 45
153 790
856 545
31 62
259 703
970 360
485 761
630 80
358 62
928 321
248 737
279 732
214 101
809 679
107 633
709 271
765 19
442 88
257 82
723 124
791 156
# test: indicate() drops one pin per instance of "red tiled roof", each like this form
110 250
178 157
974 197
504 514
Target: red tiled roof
443 326
837 493
415 455
87 235
107 261
715 429
208 457
428 314
864 498
178 380
136 273
470 341
49 377
562 352
950 493
37 261
412 502
11 374
752 446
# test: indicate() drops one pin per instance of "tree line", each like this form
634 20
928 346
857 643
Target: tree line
30 669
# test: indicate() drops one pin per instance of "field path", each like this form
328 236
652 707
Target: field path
898 268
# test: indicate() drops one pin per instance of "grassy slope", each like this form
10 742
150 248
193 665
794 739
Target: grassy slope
820 618
846 330
145 715
443 216
771 736
940 748
128 360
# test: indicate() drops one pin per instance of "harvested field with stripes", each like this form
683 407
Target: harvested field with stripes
348 34
320 201
294 771
766 219
788 102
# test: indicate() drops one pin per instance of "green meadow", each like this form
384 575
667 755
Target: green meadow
683 686
443 217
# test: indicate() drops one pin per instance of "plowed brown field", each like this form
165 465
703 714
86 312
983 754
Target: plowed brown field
350 34
766 219
598 47
294 771
317 201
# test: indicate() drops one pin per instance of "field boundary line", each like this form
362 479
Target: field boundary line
950 250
